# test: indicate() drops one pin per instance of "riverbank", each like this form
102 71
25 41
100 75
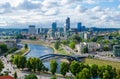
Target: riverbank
23 51
41 42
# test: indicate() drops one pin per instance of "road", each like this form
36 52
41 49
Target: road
9 67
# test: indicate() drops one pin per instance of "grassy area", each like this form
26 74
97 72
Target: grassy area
102 62
62 51
38 42
22 51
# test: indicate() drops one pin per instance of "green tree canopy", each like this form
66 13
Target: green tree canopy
72 45
64 68
15 75
31 76
84 74
75 67
1 65
53 66
57 44
94 70
26 46
3 48
20 61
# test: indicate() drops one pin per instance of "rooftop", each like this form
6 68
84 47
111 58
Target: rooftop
6 77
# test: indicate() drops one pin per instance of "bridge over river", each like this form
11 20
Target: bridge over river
71 58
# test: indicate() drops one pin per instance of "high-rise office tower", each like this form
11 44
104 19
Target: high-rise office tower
68 23
32 30
54 26
79 27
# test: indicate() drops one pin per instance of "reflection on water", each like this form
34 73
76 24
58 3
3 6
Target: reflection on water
38 50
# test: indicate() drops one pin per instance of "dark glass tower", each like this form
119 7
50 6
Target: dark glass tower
54 26
68 23
79 27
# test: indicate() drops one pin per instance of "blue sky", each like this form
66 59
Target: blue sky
21 13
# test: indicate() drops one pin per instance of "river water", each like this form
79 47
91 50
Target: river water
39 50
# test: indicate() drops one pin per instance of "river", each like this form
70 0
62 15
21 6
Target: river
39 50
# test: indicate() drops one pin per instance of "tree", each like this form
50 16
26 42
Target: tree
39 65
107 71
34 64
64 68
76 38
19 36
31 64
15 75
1 65
3 48
85 50
106 75
101 71
75 67
26 46
84 74
53 66
94 39
118 74
31 76
111 71
72 45
65 42
106 48
20 61
57 44
94 70
53 77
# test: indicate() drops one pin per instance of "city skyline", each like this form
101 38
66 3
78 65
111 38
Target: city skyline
91 13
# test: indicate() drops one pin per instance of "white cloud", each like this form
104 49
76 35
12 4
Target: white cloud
89 12
90 1
80 9
119 6
28 5
50 3
51 12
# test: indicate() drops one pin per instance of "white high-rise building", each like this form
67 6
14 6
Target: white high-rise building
32 30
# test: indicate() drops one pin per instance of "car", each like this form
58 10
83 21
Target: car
7 71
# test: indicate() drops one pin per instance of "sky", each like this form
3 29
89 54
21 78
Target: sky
92 13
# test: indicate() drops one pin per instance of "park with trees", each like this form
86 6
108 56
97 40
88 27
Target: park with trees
79 70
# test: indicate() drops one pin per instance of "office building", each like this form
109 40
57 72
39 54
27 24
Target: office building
116 50
32 30
79 27
67 23
54 26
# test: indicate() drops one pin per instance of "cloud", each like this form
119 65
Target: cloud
51 12
28 5
50 3
89 12
64 2
80 9
96 9
119 6
90 1
5 8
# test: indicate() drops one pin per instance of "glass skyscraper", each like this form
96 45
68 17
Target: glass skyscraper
54 26
79 27
68 23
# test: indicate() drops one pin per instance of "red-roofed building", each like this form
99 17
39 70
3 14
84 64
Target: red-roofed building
6 77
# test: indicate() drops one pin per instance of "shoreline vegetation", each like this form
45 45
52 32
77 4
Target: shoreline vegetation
99 62
41 42
89 61
23 51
